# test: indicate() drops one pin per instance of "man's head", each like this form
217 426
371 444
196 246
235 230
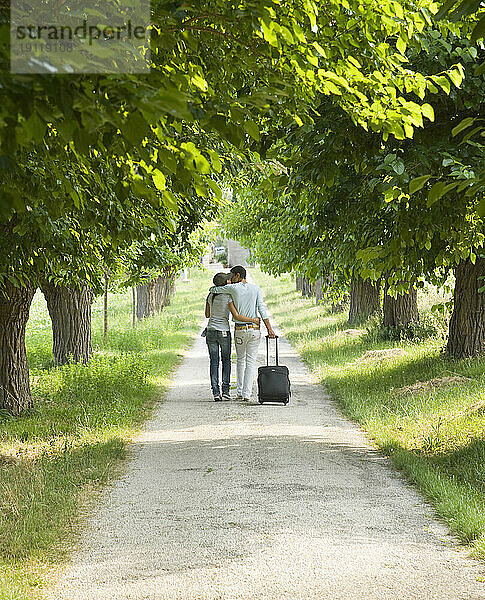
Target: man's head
238 273
221 279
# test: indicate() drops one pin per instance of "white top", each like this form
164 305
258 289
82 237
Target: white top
219 305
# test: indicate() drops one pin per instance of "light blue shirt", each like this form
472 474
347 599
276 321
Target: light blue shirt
247 299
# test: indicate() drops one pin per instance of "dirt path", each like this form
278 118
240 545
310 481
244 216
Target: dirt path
227 501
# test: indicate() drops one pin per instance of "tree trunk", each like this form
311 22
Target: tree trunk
145 300
133 294
467 324
163 290
299 283
170 275
159 294
305 289
105 304
364 299
15 395
338 307
70 312
401 310
141 302
319 290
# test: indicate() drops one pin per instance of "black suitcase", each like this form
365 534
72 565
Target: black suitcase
273 381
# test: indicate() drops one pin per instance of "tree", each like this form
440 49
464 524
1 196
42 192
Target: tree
399 311
467 324
15 393
345 199
364 299
67 257
69 307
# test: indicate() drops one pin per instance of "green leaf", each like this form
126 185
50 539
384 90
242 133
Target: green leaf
135 128
269 32
159 179
435 193
170 201
462 125
479 30
480 70
443 82
470 134
35 128
286 33
172 101
481 208
332 88
215 188
252 129
439 190
456 77
418 183
319 49
445 9
216 161
202 164
401 45
428 111
167 159
398 167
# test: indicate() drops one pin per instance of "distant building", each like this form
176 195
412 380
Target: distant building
236 254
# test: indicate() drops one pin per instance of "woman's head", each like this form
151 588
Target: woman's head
221 279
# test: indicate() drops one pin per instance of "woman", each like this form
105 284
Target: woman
218 337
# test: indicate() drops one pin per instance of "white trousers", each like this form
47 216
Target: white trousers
247 346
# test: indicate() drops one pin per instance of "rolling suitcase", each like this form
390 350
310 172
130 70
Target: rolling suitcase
273 381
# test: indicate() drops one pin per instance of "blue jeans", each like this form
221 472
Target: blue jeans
219 343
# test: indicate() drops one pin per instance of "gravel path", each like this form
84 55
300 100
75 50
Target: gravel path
224 501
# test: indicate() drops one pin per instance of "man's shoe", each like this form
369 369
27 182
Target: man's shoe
217 398
226 397
247 400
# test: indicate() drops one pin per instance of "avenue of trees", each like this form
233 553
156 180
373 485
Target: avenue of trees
348 109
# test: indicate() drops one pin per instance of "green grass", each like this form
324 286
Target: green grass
57 456
436 437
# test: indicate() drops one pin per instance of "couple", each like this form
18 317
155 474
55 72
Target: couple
232 293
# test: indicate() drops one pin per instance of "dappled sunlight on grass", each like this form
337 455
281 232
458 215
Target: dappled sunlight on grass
436 435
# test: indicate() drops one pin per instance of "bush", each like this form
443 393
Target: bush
417 332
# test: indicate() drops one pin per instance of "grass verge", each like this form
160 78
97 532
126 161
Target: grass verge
436 436
56 457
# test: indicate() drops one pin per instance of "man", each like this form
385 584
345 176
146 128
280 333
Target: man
248 301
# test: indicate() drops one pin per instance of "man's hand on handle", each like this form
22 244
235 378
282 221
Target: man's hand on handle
271 333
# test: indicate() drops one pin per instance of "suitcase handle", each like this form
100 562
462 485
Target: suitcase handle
267 349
